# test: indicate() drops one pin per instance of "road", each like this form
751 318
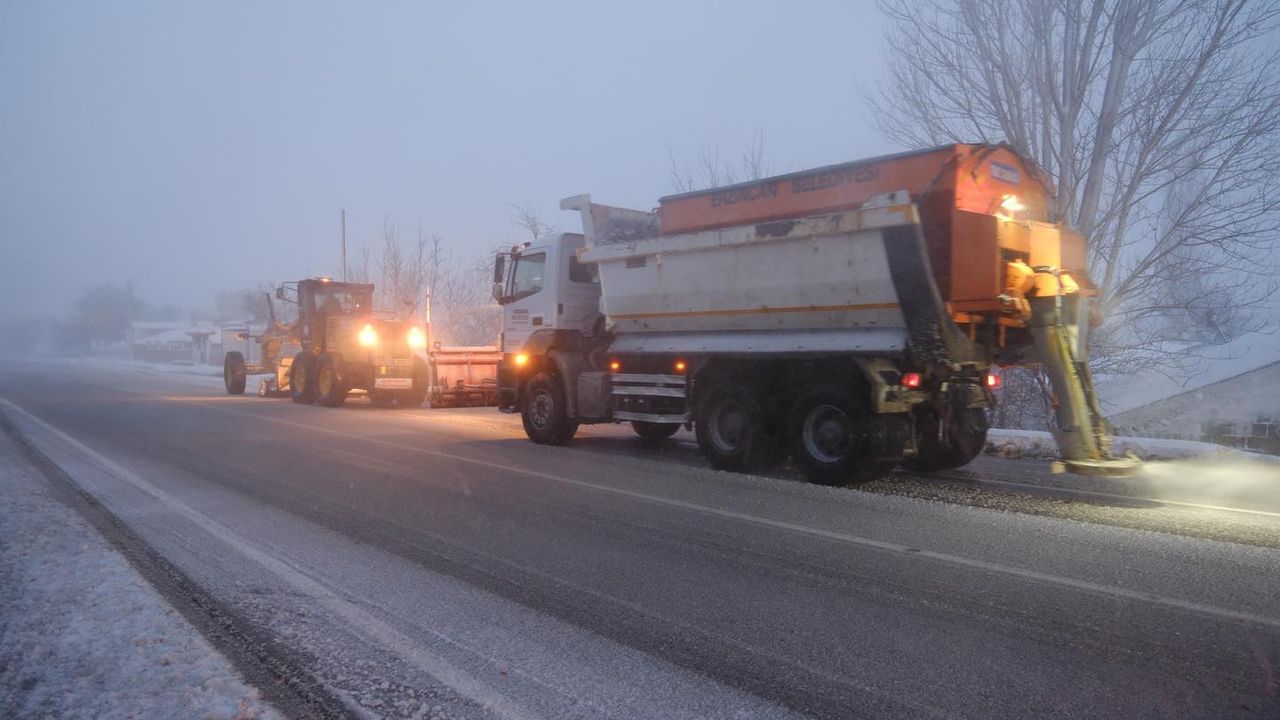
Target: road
436 562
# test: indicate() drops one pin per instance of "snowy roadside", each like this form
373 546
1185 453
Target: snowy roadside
108 362
1037 444
82 634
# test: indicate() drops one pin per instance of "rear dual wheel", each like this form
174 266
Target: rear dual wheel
833 439
734 432
961 439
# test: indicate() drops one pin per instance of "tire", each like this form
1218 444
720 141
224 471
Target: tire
302 381
652 432
413 398
331 386
963 439
382 398
832 438
733 431
544 413
234 372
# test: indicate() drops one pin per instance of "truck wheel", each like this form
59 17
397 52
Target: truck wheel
382 398
961 442
302 383
331 387
413 398
652 432
733 431
234 372
831 438
546 418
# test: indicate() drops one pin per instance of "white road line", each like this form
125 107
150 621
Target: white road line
384 634
904 550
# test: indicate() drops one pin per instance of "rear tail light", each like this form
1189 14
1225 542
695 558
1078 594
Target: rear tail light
993 381
911 380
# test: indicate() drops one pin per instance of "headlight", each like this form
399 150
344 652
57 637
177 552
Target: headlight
417 338
521 359
368 336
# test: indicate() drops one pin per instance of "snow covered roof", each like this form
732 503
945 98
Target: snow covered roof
180 334
162 338
1245 354
156 324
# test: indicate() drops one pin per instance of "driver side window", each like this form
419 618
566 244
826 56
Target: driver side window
528 276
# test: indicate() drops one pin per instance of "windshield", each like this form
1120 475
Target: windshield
341 301
528 276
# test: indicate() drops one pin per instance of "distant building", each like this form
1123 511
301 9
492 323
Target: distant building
171 342
1234 401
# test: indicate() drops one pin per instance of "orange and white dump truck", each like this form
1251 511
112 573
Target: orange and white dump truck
852 317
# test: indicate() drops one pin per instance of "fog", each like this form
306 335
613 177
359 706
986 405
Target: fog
190 149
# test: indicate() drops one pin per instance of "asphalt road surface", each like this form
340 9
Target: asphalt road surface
434 563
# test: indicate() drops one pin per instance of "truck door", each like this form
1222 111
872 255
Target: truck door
530 302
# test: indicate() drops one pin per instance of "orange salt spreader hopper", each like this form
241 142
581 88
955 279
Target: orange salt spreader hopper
966 196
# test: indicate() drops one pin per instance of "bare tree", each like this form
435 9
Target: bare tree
250 304
1157 121
710 171
405 272
462 313
1025 401
530 220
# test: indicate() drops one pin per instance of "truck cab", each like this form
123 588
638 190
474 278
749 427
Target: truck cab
548 297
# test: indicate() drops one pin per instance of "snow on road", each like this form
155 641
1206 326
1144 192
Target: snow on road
82 634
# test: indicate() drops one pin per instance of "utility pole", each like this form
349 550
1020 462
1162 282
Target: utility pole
344 244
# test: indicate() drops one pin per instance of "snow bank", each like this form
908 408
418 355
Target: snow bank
105 362
83 634
1040 445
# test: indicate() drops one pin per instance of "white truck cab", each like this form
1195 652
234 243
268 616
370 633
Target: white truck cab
542 286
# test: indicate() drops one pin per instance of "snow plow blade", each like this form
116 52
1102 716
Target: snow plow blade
1060 326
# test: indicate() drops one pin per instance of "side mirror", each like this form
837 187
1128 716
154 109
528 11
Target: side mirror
499 276
280 293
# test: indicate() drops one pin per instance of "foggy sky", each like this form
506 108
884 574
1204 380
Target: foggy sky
190 149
